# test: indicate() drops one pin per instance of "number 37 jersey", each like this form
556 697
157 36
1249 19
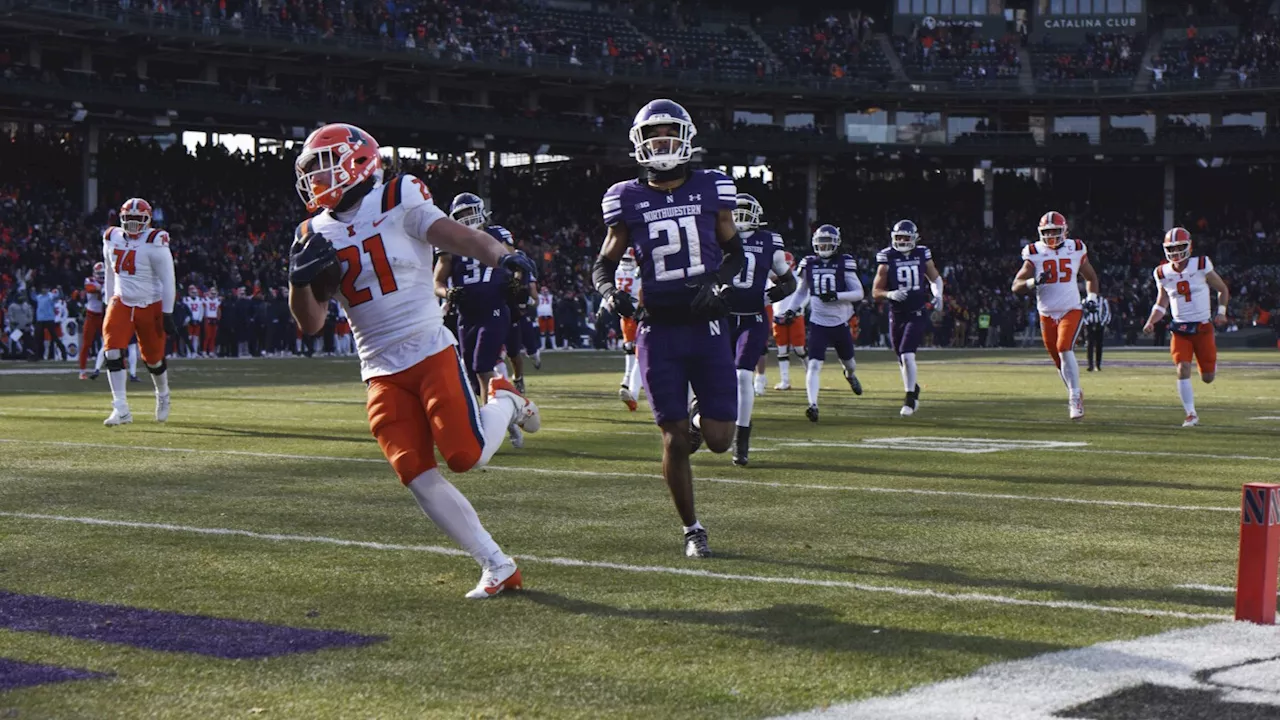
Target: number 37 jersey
388 279
673 233
1059 293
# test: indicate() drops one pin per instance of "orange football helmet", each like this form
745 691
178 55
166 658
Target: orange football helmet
1177 245
334 159
1053 229
135 216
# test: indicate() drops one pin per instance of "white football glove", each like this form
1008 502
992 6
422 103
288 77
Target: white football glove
898 295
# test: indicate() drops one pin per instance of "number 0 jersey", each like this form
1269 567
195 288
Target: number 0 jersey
673 232
1059 293
1188 290
764 254
388 282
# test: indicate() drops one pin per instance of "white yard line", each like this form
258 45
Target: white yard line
628 474
648 569
1206 588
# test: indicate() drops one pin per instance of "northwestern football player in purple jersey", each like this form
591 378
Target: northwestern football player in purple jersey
903 269
478 292
765 254
680 223
832 282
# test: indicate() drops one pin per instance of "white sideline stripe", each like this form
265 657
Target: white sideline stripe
1206 588
1266 417
871 444
1237 661
623 473
651 569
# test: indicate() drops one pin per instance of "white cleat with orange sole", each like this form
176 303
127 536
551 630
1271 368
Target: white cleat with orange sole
496 579
1191 421
1075 406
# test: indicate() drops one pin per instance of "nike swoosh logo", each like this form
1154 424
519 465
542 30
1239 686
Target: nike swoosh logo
307 265
378 222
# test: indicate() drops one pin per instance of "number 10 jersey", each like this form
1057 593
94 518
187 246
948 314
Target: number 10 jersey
673 232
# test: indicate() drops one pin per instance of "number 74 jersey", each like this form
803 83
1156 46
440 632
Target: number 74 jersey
1057 291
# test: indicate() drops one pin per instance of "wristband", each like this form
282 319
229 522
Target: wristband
1157 310
1031 282
1222 310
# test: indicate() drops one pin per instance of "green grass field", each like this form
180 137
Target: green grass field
853 560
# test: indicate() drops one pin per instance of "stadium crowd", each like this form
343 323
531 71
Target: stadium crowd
232 216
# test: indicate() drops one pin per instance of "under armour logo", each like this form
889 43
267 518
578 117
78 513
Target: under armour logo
695 197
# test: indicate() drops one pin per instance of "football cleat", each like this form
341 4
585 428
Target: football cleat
1191 421
812 413
84 375
134 378
1075 406
695 435
782 386
910 403
527 416
741 445
496 579
162 407
120 415
627 398
853 382
94 375
519 383
695 544
537 360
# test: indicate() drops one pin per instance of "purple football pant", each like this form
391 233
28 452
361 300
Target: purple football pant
673 357
906 332
482 340
822 337
750 339
523 336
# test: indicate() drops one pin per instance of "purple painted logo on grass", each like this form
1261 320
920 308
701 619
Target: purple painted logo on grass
16 674
166 631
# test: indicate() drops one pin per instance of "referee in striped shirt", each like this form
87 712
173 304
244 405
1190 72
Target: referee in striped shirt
1097 316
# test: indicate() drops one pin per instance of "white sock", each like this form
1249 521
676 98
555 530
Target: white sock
453 514
633 382
133 359
629 362
102 359
695 526
1070 371
115 378
784 371
812 377
500 369
907 363
1188 396
495 417
746 397
760 382
161 382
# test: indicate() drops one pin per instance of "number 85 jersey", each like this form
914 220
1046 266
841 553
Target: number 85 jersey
673 232
1059 292
388 278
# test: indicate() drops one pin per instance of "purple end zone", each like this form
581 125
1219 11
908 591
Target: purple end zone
15 674
166 631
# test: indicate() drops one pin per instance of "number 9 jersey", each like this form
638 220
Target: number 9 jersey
1057 291
1188 290
388 279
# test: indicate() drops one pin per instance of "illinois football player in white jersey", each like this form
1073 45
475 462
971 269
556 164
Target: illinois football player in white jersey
140 287
1051 267
195 317
1182 284
373 241
627 278
94 309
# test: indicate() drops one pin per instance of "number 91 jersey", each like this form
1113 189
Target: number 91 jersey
388 280
1057 291
673 233
907 272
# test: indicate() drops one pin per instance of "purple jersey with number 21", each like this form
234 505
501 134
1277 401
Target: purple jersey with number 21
674 236
673 233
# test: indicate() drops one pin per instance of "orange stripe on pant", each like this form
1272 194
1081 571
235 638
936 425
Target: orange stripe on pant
1202 347
629 329
425 407
123 322
1060 335
92 329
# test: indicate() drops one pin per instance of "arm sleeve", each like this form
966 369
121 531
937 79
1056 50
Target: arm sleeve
163 266
796 302
851 280
780 266
936 286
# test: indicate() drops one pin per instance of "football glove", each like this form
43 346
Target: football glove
308 256
828 296
898 295
711 302
516 263
454 295
777 293
620 304
786 318
1042 278
170 327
